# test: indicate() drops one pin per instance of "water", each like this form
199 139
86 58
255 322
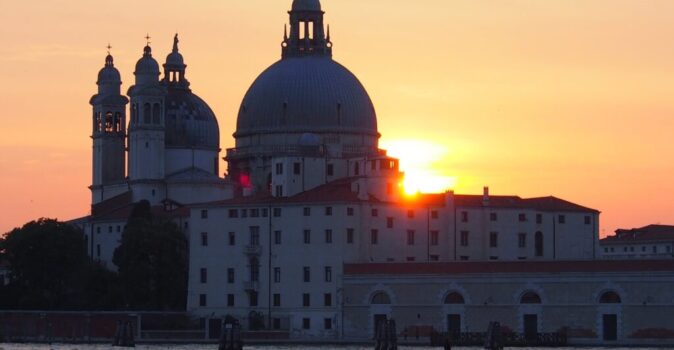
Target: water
214 347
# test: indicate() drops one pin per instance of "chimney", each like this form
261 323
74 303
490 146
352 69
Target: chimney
485 197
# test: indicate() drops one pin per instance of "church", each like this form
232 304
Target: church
308 232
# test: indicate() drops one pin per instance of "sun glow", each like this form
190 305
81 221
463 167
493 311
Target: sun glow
420 162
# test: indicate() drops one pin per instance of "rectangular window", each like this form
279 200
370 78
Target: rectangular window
306 323
493 217
254 235
252 299
204 214
277 212
255 213
374 236
562 219
276 323
349 211
464 258
232 238
202 300
434 214
522 217
230 299
410 237
493 258
410 214
307 211
307 236
279 168
464 238
327 299
522 240
349 236
328 236
297 168
278 237
493 239
389 222
277 300
435 257
410 258
588 220
464 216
230 275
265 212
277 275
306 276
233 213
244 213
109 229
279 191
330 170
204 239
98 250
327 324
204 275
306 299
328 211
539 218
375 212
435 237
328 274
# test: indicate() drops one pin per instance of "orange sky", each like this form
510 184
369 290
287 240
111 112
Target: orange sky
566 97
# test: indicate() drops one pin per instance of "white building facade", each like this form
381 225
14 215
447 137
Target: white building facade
649 242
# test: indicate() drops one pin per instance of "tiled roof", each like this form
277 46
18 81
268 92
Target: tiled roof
462 268
550 204
111 204
650 233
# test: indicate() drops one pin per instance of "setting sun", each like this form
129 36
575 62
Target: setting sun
418 160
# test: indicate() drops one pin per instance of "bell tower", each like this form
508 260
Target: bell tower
307 32
109 133
147 131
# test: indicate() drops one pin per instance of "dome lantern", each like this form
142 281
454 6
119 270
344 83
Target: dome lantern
307 31
174 68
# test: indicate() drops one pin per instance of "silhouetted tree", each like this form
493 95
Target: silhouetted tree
46 259
152 262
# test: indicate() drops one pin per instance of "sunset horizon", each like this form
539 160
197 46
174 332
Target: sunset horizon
526 98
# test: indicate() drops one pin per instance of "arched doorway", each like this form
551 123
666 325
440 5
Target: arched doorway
609 314
530 302
454 309
380 309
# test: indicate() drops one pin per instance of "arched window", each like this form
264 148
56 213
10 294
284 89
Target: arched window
380 298
454 298
118 122
108 122
539 243
147 110
530 298
97 121
610 297
156 119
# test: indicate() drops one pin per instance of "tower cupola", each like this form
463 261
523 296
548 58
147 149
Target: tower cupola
109 80
307 35
147 68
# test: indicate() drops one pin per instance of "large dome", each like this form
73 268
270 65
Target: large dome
190 122
311 94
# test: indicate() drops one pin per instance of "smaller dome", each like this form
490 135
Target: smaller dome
147 64
306 5
109 74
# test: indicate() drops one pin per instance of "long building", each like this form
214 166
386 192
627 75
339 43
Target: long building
309 232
